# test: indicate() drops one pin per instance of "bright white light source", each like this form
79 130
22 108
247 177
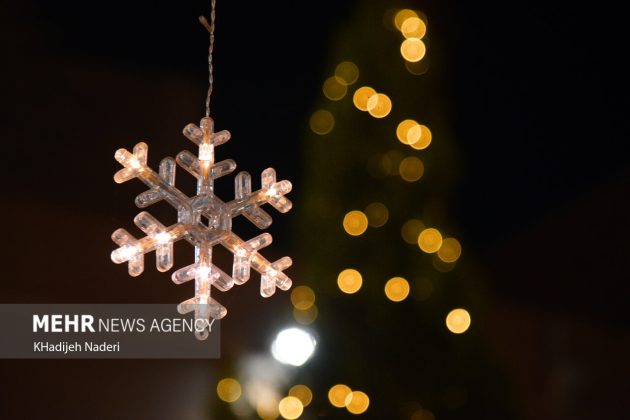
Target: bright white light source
163 238
203 271
293 346
206 152
135 163
124 253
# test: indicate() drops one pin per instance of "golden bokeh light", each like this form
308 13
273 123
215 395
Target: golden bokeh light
417 68
361 97
267 408
430 240
419 137
290 408
355 223
411 230
349 281
413 49
347 71
397 289
303 393
337 395
307 316
402 15
334 88
441 266
322 122
379 105
411 169
402 131
413 134
450 250
377 214
413 27
458 321
302 297
357 402
229 390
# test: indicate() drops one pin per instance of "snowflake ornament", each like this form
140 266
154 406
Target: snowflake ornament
203 220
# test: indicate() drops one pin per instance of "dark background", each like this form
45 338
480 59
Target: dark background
537 94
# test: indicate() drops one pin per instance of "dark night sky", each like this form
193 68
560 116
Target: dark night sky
539 91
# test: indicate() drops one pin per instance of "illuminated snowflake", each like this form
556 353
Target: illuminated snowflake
203 220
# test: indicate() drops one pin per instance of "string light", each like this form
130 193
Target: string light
416 135
290 408
337 395
430 240
413 49
377 214
335 88
355 223
357 402
303 393
322 122
402 15
193 211
419 137
379 105
450 250
458 321
267 408
293 346
347 72
302 297
361 97
413 27
402 130
229 390
397 289
411 230
411 169
349 281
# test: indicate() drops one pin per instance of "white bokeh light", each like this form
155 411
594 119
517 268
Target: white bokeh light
293 346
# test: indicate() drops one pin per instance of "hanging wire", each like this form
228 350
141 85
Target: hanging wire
210 28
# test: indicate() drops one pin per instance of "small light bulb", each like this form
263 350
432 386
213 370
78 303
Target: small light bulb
271 192
241 252
206 151
124 253
272 273
203 271
135 163
163 238
131 250
293 346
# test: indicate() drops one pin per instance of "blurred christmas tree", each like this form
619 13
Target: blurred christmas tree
383 281
377 246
